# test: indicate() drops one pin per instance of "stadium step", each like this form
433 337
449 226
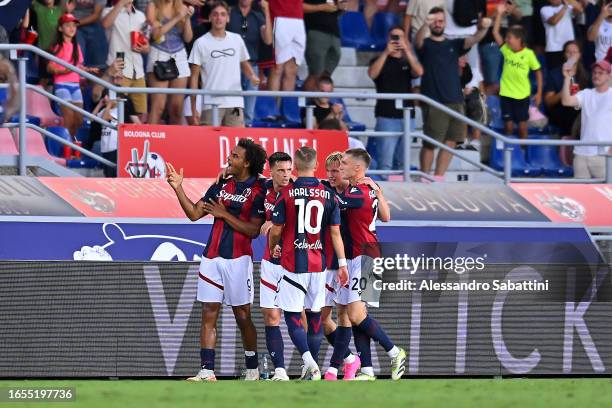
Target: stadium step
352 77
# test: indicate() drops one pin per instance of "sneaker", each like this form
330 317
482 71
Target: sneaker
330 376
350 369
364 377
252 374
203 375
397 365
312 374
279 375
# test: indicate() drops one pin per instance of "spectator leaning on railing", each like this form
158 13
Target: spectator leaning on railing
167 64
441 82
218 58
124 25
596 117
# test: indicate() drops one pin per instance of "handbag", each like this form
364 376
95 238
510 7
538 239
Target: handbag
166 70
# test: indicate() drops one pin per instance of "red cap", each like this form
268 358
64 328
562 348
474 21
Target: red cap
68 18
609 55
603 64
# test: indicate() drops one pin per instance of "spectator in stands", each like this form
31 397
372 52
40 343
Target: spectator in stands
107 110
596 116
441 82
120 22
170 27
91 34
392 72
254 28
561 116
601 31
475 105
557 20
4 39
462 22
46 14
332 123
218 57
67 82
489 53
416 15
323 108
322 38
515 88
289 43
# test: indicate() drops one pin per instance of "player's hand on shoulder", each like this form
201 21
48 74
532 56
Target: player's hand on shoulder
172 177
369 182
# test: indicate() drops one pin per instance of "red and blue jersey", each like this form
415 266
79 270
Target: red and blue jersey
359 206
332 258
269 202
244 200
307 209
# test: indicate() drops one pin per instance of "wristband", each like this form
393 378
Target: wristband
342 262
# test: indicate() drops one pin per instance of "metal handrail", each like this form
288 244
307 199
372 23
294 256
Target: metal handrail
508 142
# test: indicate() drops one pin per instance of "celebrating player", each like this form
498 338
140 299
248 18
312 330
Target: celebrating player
226 269
303 213
271 273
351 362
363 202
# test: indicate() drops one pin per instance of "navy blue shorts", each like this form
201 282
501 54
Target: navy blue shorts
514 110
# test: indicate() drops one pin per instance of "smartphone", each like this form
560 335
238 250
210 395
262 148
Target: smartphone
120 55
395 37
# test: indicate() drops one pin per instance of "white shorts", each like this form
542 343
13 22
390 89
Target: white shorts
298 291
289 40
180 58
271 274
331 287
361 283
228 281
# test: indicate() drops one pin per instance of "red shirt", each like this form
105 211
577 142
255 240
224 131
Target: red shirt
287 8
269 206
360 211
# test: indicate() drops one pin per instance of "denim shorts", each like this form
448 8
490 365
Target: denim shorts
69 91
492 60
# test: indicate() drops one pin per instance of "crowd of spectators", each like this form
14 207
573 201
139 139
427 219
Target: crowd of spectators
456 52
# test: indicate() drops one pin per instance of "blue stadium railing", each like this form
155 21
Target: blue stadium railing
507 144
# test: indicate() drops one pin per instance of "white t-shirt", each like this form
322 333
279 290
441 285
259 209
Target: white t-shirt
118 36
557 35
603 41
219 59
108 136
453 30
596 117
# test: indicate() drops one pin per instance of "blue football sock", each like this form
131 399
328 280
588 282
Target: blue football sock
207 358
362 344
372 328
315 333
331 339
251 360
276 347
343 338
296 331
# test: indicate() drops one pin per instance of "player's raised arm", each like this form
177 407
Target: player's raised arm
193 211
384 211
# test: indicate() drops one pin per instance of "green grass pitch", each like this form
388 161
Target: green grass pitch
447 393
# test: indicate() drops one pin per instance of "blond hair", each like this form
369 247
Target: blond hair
305 158
335 157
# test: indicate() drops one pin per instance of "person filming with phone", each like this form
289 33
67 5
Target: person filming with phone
601 31
392 72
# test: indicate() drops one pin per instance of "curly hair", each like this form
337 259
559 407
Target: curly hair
255 155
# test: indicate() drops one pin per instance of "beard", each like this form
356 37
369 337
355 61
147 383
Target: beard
437 31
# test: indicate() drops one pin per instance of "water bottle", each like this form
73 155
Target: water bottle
264 372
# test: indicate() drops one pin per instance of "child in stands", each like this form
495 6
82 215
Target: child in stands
67 82
515 88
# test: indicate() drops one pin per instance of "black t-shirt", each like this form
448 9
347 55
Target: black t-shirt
322 21
440 60
395 77
249 28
